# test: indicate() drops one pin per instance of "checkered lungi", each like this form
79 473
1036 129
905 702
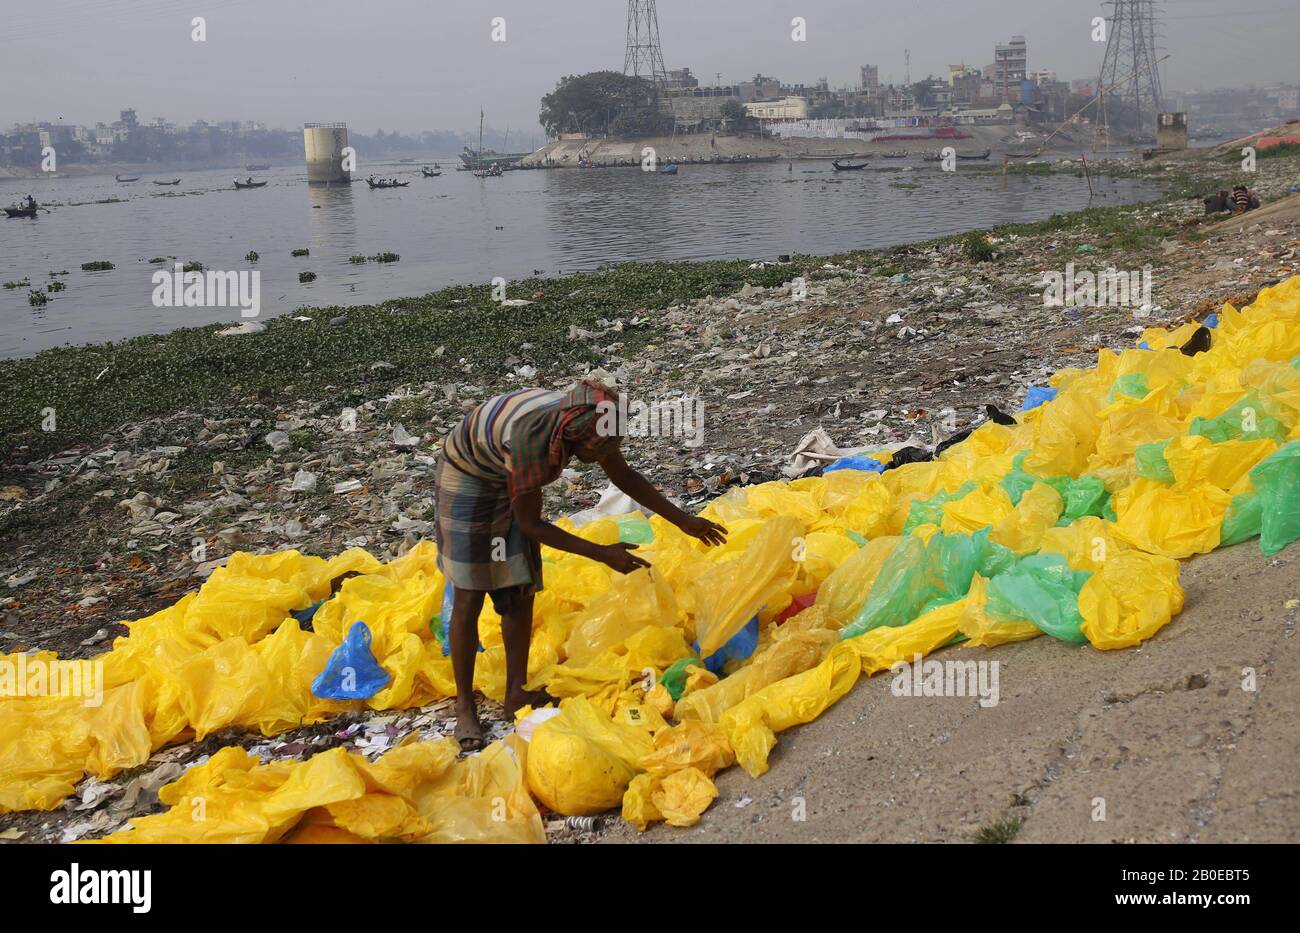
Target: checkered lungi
473 522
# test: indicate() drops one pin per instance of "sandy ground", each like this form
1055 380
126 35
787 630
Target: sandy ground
1165 735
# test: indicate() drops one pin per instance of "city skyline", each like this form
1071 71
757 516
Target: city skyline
442 65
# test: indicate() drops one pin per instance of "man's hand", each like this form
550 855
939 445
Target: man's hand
705 530
619 557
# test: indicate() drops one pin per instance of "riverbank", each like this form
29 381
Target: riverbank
709 147
171 452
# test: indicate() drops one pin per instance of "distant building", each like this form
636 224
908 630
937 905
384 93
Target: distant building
870 79
778 110
681 77
1009 69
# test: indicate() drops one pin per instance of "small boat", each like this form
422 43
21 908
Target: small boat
166 183
250 184
933 157
1023 155
429 173
979 155
385 184
894 155
20 211
847 166
405 160
668 170
257 167
124 179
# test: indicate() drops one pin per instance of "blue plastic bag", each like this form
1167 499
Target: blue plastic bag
1037 395
738 647
352 673
1211 320
856 462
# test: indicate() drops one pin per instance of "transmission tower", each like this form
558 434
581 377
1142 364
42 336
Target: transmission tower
1129 86
644 58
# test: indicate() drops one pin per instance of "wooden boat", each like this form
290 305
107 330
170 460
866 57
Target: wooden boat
250 184
257 167
166 183
20 211
668 170
429 173
847 166
385 184
981 155
1023 155
933 157
894 155
125 180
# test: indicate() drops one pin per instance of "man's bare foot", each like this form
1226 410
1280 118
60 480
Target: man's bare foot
469 731
518 700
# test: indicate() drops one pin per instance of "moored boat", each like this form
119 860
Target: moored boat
124 179
847 166
249 184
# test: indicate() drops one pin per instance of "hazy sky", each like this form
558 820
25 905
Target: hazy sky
423 64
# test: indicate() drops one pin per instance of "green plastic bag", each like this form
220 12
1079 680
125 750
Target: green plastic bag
634 529
1151 462
1242 520
1277 483
1044 590
930 511
1086 495
674 679
919 576
1134 385
1245 421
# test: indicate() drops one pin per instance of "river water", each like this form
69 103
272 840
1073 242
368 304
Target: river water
458 229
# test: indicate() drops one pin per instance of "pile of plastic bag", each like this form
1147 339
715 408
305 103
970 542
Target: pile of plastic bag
1069 524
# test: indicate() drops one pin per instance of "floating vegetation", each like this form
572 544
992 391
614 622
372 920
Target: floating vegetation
158 260
192 266
25 283
99 265
37 298
300 252
251 256
53 274
358 259
386 257
56 287
306 276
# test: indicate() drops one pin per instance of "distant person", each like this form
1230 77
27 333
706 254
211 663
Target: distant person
1253 202
1218 202
1241 198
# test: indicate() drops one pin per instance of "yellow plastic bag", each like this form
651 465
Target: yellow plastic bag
729 595
580 762
752 724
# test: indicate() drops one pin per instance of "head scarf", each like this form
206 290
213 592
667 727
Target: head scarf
542 442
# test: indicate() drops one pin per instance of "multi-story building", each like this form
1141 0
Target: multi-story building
1009 68
870 80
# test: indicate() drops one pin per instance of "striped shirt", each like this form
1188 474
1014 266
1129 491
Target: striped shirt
480 444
